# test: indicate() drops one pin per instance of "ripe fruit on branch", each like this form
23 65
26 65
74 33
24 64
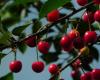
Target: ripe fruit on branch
74 74
53 69
86 76
97 15
95 74
38 66
73 34
66 43
53 16
78 43
31 41
15 66
88 17
97 1
82 2
76 65
43 47
90 37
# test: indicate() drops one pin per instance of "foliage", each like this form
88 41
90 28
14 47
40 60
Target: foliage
15 20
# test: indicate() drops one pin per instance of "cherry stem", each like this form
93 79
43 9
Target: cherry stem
15 56
82 69
89 22
37 54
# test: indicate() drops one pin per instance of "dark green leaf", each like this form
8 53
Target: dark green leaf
9 76
24 1
51 5
86 67
36 26
5 37
94 52
18 30
50 57
22 47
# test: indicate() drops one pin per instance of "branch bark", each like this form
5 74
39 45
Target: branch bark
49 25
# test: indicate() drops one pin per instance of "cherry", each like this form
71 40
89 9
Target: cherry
76 65
30 41
38 66
73 34
74 74
82 2
88 17
15 66
95 74
90 37
66 43
97 1
53 69
78 43
86 76
43 47
53 16
97 15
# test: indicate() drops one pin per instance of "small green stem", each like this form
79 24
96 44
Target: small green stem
37 54
15 56
82 69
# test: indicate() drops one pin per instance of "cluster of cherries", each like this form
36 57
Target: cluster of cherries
93 75
67 42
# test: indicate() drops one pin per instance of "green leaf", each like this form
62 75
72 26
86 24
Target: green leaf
50 57
18 30
5 37
96 26
24 1
94 52
9 76
22 47
51 5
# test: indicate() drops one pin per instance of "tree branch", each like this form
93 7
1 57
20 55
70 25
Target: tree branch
49 25
60 70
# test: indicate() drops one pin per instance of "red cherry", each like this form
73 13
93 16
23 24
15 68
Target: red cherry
15 66
53 16
82 2
88 17
90 37
53 69
76 65
73 34
86 76
78 43
38 66
97 1
66 43
30 41
74 74
97 15
95 74
43 47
